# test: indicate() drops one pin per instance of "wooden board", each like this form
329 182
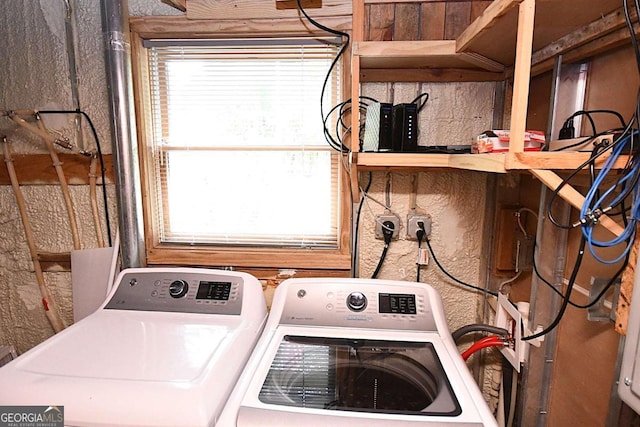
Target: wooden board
481 162
432 17
559 160
181 5
573 197
444 75
458 17
419 54
259 9
293 4
407 22
581 36
626 289
380 22
180 26
55 262
611 79
35 169
493 34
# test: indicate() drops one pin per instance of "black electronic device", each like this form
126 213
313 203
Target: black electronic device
405 128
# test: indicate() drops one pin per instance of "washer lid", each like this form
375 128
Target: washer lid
373 375
132 346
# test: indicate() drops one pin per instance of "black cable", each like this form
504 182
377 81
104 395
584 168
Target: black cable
567 295
509 383
383 255
597 298
433 255
588 114
478 327
339 147
357 225
100 158
422 105
419 235
577 170
387 233
344 108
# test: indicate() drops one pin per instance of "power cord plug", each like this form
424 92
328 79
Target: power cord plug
567 131
420 235
387 231
387 234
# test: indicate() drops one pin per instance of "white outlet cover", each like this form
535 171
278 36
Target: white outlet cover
509 318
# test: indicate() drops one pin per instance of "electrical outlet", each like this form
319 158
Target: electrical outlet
380 219
508 317
413 227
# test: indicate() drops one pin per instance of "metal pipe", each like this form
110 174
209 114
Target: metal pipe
71 34
115 28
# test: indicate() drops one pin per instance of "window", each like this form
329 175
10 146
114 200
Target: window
236 166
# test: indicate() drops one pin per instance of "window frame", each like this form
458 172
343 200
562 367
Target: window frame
159 253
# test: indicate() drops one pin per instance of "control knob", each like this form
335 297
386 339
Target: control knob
178 288
356 301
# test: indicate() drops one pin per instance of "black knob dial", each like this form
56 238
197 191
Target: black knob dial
356 301
178 288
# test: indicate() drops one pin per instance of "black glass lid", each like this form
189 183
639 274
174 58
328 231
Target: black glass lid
359 375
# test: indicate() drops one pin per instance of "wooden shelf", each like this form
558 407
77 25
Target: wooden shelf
500 42
489 43
493 35
490 162
419 54
400 160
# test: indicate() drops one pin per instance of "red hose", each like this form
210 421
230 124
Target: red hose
490 341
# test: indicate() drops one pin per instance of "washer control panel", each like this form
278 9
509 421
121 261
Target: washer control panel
351 304
184 292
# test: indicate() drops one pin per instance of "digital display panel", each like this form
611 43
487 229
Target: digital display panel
397 303
218 291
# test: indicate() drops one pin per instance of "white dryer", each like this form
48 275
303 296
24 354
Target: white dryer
165 349
356 352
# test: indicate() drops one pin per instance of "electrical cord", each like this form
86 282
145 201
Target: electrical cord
568 130
357 225
387 233
419 235
460 282
339 146
478 327
100 158
597 298
568 178
599 202
567 295
422 105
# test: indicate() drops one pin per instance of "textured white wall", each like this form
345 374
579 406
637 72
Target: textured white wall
455 200
34 74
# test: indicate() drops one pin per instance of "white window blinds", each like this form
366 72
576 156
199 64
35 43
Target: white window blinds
239 154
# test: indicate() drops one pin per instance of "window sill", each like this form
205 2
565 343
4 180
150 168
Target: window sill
323 259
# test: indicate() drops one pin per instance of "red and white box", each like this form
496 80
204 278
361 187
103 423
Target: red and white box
497 141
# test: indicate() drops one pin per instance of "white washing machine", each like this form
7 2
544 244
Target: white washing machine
165 349
356 352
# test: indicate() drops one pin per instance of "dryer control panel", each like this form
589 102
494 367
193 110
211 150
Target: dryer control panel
352 304
179 291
